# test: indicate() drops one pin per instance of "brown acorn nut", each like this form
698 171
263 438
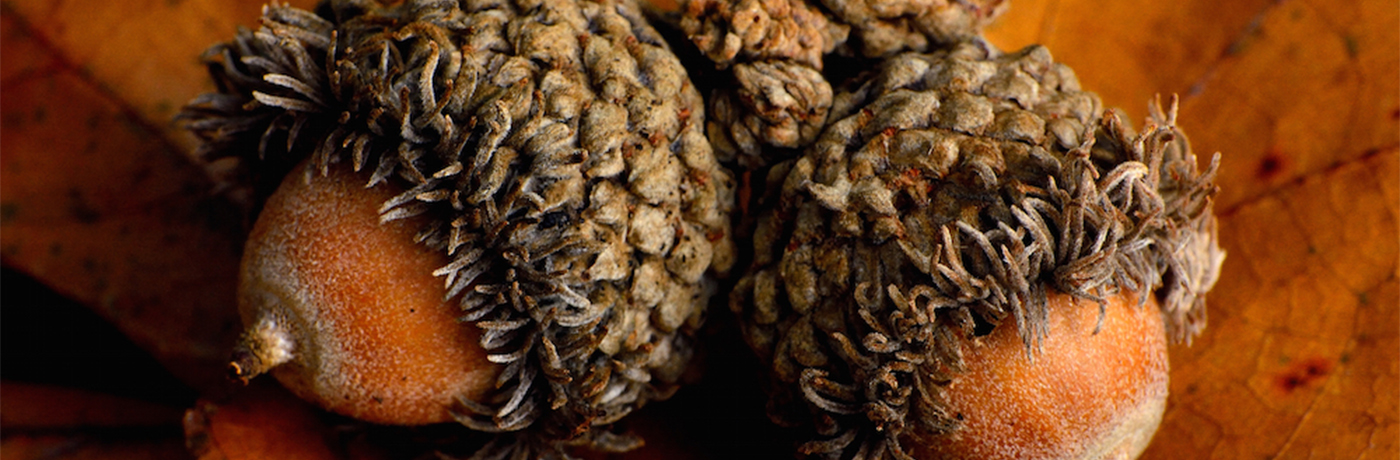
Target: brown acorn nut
1053 405
954 202
345 311
555 154
776 49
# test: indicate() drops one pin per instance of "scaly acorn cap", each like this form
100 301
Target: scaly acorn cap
556 147
951 191
776 50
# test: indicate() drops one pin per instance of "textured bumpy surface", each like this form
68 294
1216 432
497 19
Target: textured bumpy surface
555 146
775 48
951 191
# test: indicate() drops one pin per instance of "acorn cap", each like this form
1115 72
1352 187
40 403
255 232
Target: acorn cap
776 50
951 192
556 148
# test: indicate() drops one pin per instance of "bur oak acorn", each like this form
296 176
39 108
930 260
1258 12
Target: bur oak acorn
922 270
550 153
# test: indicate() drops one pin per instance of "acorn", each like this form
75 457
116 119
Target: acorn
549 153
922 272
776 52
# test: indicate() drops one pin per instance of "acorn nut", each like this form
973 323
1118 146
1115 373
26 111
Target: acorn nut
1091 391
345 311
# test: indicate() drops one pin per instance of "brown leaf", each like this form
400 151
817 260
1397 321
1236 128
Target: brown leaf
98 206
38 407
1299 357
43 422
87 447
144 54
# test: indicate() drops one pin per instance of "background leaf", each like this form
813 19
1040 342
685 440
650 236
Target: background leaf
97 196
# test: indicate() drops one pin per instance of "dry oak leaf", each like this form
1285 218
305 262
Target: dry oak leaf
42 422
28 406
97 197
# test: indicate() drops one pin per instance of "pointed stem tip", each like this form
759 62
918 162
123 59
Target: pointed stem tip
263 347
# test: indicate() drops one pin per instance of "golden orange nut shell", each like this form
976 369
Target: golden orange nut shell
1085 395
344 310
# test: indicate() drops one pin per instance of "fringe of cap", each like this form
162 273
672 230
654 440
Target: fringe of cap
1125 212
404 102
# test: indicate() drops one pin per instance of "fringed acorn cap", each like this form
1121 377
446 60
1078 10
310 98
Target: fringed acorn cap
776 48
953 191
556 147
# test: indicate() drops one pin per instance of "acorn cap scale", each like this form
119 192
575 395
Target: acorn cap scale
776 49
